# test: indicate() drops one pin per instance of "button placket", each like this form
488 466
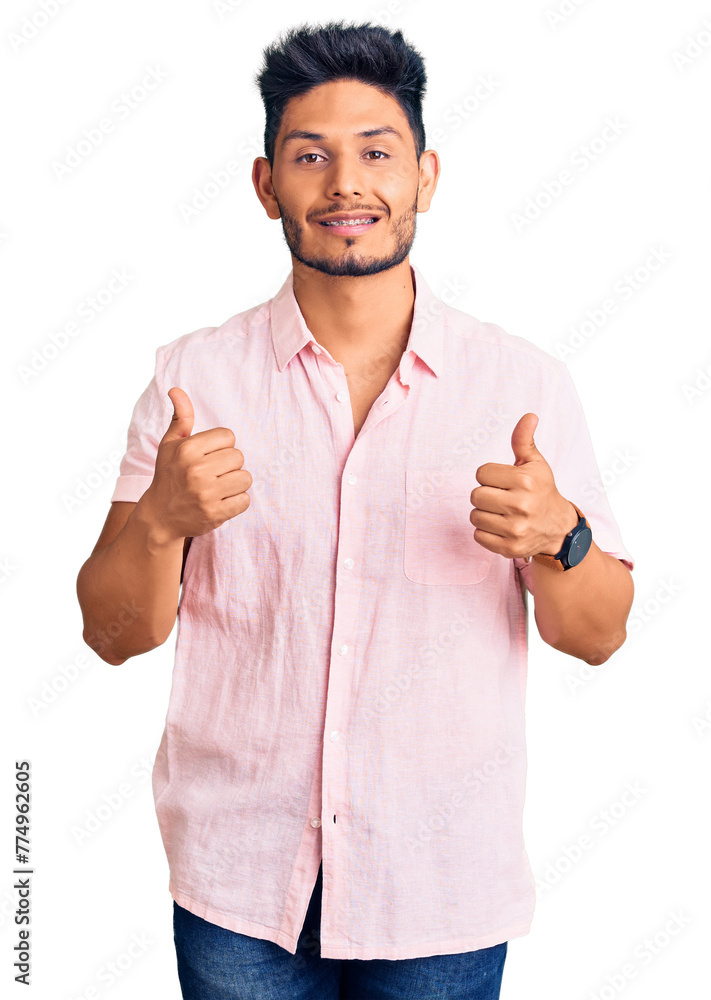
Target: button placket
347 599
342 395
339 685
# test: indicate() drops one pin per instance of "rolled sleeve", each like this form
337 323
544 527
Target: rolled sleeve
562 437
149 422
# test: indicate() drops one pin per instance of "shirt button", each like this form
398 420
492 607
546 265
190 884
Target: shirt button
343 649
352 480
348 563
341 397
334 735
315 348
315 822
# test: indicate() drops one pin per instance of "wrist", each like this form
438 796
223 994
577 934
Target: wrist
567 520
574 548
157 535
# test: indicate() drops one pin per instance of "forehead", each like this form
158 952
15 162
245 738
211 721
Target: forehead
342 107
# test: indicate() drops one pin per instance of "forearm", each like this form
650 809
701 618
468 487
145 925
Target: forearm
129 590
583 611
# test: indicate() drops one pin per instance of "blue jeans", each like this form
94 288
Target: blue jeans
218 964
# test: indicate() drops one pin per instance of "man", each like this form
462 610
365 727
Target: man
340 782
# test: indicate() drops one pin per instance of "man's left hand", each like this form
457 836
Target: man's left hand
518 512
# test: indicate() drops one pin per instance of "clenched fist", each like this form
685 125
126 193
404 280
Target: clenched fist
199 481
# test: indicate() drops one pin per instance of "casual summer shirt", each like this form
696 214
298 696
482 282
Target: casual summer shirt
350 664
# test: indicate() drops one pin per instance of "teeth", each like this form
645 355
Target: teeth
349 222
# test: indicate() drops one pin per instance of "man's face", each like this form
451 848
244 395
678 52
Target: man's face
376 175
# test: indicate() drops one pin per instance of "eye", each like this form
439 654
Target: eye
381 156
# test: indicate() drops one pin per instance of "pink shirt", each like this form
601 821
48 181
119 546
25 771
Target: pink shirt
350 667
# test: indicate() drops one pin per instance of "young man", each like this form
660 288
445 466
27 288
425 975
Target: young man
340 781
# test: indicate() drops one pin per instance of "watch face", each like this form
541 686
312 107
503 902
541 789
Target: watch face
579 546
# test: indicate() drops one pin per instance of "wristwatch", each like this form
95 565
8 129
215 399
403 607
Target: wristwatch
575 547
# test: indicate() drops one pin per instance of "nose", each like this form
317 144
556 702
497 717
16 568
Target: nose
344 179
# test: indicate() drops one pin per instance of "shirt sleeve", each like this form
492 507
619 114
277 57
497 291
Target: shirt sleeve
149 422
562 437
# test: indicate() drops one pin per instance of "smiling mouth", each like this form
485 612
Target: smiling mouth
341 223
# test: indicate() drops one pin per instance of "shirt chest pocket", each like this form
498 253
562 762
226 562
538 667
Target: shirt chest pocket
439 546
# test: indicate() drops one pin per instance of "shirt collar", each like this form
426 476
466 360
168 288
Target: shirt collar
290 333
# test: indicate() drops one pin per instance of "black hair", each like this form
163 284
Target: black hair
308 55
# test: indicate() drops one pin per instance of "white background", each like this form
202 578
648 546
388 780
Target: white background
640 718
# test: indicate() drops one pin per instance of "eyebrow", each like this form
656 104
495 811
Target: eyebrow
297 133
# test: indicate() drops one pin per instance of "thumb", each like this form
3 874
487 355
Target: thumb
181 424
522 443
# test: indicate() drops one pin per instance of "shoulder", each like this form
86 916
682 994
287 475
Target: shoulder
215 340
490 338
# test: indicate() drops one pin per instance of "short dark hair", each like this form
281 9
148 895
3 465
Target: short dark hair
308 55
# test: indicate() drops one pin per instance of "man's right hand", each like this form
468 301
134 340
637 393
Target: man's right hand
199 481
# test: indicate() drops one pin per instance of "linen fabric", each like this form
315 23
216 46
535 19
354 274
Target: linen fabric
350 664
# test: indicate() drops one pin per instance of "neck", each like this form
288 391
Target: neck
357 317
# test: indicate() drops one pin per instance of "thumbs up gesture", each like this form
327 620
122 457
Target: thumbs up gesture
199 481
518 511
